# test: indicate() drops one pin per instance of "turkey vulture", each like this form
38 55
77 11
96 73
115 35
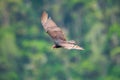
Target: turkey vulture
56 34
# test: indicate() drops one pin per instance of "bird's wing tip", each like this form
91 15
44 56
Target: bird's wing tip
78 47
44 17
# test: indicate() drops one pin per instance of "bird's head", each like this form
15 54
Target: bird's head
54 46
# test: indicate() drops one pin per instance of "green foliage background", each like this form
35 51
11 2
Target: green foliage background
25 48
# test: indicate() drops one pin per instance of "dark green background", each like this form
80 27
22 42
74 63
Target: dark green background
25 48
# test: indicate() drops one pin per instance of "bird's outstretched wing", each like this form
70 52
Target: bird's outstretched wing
51 28
69 45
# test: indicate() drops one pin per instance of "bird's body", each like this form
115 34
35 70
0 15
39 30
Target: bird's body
56 34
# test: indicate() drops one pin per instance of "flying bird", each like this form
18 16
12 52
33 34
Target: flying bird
57 34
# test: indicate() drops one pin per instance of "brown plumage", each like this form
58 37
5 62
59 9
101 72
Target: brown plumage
56 34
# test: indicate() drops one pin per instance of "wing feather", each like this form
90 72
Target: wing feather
68 45
51 27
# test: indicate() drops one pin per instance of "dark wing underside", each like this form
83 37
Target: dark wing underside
51 28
